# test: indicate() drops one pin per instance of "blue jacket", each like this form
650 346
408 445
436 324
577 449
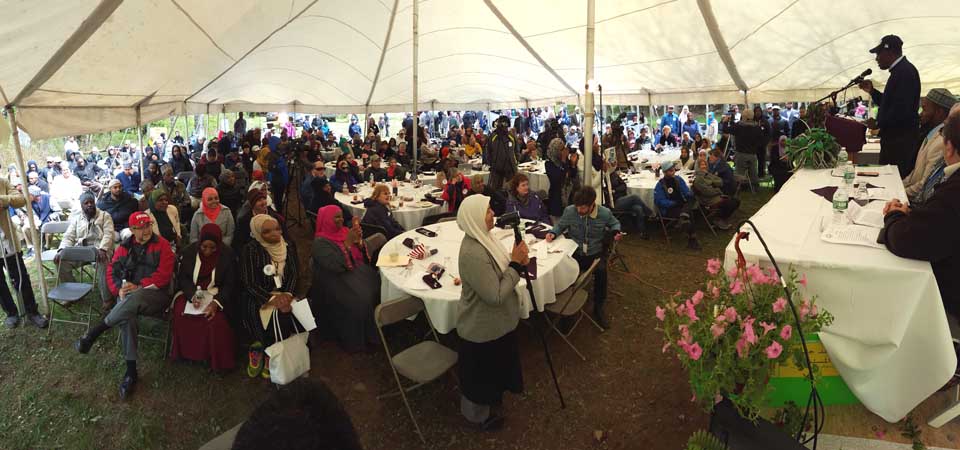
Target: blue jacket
130 183
671 119
42 208
589 229
723 170
692 128
662 199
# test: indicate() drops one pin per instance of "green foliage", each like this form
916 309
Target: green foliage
730 336
910 430
815 149
701 440
790 418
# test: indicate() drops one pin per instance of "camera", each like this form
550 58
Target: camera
509 220
616 127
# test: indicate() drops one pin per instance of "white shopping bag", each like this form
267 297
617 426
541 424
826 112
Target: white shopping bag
289 358
303 313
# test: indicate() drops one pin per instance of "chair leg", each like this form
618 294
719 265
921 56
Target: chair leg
414 419
565 339
666 235
594 322
952 411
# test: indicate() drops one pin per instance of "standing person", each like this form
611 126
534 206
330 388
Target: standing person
750 141
13 262
670 119
139 275
240 126
488 314
502 157
897 118
561 168
208 265
586 223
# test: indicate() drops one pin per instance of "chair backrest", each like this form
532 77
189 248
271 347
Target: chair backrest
370 229
566 296
396 310
447 219
430 220
78 254
375 242
54 227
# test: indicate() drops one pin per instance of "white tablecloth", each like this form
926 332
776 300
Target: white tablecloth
556 272
645 158
644 182
890 340
537 174
409 216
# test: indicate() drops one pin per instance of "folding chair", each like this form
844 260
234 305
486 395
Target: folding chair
570 303
421 363
743 180
66 295
430 220
370 229
163 319
312 218
47 231
374 243
447 219
184 177
663 220
952 411
706 217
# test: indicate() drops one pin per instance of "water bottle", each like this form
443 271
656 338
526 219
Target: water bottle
840 200
849 173
842 157
862 194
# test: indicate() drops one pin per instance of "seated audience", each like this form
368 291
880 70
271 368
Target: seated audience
139 276
208 266
211 211
317 170
129 179
708 189
674 200
934 109
629 203
375 172
344 282
378 212
586 223
268 277
455 187
176 191
720 168
667 139
119 204
66 189
34 179
498 201
231 194
343 178
146 187
323 195
686 162
200 182
257 202
179 161
926 232
395 171
527 203
164 217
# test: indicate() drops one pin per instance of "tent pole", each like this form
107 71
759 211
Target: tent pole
588 97
416 93
34 237
140 140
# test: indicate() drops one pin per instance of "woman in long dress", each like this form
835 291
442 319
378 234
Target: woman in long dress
489 311
345 286
211 266
268 276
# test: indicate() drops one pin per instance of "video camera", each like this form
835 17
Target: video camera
616 127
511 220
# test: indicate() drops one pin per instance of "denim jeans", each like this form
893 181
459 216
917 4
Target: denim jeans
634 204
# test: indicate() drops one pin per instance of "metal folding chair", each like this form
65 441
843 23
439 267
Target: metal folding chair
420 363
663 220
67 294
370 229
47 231
447 219
374 243
706 217
570 303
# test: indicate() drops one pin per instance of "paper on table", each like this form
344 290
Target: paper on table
852 235
878 194
384 259
865 215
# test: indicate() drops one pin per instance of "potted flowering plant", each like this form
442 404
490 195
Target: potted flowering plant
730 335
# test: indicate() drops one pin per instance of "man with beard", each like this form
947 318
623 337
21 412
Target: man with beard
119 204
502 157
94 228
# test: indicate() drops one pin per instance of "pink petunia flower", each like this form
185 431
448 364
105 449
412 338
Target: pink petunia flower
736 287
718 329
713 266
803 280
786 332
748 332
715 292
756 275
732 272
685 334
694 351
774 350
767 327
779 305
813 310
682 309
742 347
691 312
804 309
666 346
661 314
697 297
730 314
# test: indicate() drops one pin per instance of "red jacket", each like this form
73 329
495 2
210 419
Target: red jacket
143 265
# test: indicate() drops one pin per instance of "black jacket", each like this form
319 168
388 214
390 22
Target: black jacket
501 154
751 137
900 99
377 174
929 233
119 209
378 214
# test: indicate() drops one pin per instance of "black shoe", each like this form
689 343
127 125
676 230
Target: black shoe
127 386
83 345
11 322
601 319
694 244
493 423
37 320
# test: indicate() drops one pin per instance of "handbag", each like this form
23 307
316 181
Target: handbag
289 358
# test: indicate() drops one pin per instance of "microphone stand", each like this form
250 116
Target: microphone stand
517 239
833 95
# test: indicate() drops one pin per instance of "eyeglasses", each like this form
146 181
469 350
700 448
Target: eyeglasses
318 168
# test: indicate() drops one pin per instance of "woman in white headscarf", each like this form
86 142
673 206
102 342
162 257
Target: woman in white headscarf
489 312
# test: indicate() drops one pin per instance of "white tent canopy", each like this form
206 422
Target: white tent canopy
83 66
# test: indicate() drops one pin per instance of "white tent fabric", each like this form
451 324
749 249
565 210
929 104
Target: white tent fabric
86 65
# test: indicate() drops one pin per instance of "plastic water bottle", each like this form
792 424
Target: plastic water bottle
862 194
840 200
849 173
842 157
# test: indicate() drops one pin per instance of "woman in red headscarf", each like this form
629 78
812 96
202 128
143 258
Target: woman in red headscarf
345 287
208 282
211 211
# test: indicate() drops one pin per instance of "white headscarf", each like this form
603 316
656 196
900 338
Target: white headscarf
471 218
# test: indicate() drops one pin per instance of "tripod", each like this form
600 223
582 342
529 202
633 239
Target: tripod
296 174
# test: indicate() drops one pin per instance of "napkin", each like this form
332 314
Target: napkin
827 191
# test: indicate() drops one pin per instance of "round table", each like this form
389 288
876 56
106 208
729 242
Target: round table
646 158
537 173
644 182
556 271
410 215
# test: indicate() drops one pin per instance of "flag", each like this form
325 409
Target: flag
419 252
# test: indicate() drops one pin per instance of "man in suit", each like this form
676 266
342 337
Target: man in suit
897 118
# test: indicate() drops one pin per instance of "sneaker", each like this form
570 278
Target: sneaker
11 322
37 320
127 386
255 356
265 373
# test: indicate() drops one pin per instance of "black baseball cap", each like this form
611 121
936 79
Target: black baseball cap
888 42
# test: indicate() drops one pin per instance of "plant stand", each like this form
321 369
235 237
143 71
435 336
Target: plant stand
738 433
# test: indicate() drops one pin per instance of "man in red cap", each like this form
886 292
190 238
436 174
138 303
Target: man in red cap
139 276
897 116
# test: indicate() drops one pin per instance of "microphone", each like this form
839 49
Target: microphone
860 77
